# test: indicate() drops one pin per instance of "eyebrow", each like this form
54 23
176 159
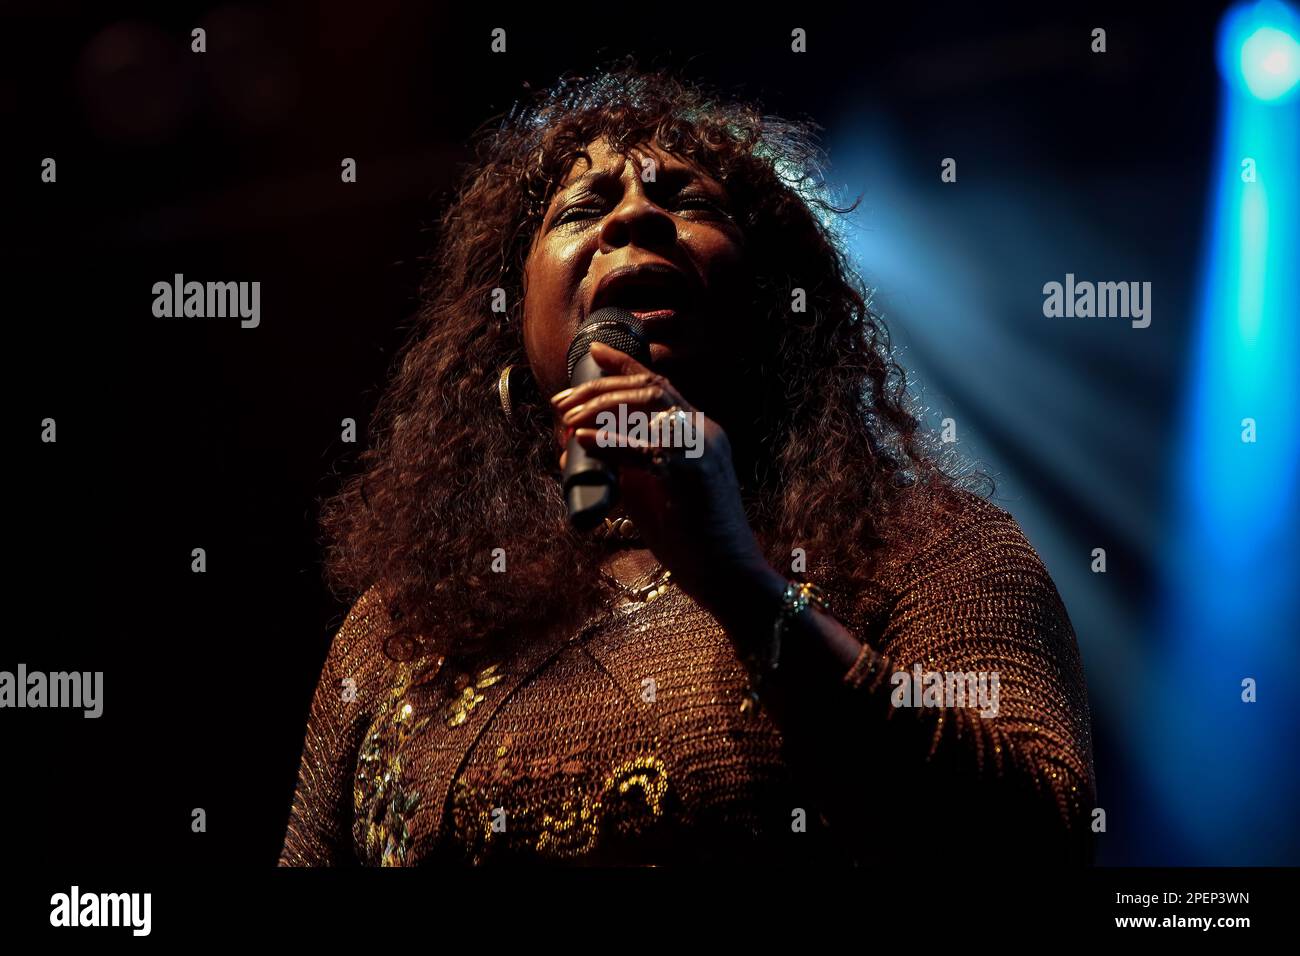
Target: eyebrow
586 179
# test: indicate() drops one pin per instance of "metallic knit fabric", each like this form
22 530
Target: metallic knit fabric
626 742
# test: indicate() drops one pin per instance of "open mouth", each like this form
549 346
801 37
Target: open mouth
651 293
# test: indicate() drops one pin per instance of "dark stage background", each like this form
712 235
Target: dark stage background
181 434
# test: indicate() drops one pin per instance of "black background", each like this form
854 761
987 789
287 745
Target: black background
176 434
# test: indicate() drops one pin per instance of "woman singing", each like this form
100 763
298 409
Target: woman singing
760 654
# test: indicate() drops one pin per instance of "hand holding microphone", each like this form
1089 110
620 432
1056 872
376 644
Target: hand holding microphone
690 513
591 482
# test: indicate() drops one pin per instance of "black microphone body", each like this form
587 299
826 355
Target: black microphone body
590 484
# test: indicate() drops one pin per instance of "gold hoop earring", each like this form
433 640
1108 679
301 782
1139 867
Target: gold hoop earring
514 386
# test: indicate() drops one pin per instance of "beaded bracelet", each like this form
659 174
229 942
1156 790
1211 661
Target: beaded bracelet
763 663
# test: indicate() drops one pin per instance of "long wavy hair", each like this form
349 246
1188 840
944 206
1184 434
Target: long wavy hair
448 479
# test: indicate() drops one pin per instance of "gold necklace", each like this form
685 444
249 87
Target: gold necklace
654 590
645 593
618 533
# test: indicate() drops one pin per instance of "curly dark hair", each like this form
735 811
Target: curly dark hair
449 479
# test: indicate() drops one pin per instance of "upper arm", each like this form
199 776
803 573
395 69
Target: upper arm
319 828
976 600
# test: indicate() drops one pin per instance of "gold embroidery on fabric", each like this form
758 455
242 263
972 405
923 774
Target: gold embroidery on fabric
457 712
627 801
379 790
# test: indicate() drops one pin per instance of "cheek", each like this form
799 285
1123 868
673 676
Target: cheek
546 356
721 258
549 303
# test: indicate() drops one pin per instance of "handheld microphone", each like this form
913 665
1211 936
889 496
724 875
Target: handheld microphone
591 485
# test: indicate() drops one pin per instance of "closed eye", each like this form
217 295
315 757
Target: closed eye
689 201
574 213
698 201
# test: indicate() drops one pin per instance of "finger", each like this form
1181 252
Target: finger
581 393
647 400
611 359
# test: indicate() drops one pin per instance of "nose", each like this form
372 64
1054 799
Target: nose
637 221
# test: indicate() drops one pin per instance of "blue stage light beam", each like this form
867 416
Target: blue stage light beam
1226 769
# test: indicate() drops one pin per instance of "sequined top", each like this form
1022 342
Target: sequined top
626 742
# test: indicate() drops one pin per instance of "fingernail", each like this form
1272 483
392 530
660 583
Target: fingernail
561 396
573 414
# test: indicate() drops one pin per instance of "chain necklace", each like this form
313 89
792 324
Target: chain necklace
620 532
654 590
645 593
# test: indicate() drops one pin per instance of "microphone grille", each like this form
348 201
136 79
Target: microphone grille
617 328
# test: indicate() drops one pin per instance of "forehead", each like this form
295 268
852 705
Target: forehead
601 158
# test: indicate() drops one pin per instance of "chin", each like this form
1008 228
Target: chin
679 357
662 357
